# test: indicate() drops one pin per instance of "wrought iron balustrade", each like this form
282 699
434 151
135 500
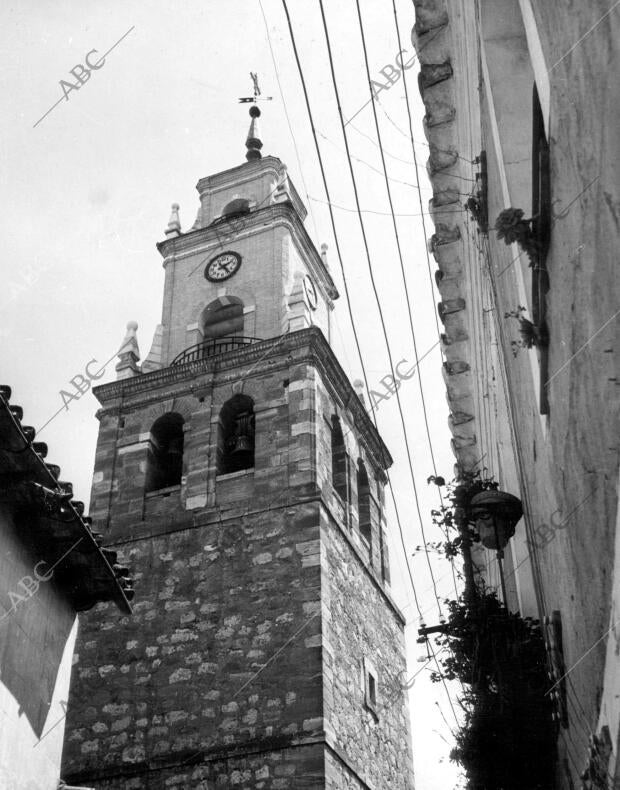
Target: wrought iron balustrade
212 347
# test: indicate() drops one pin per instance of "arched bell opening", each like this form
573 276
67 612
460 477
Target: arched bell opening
363 502
236 428
223 318
236 208
340 473
165 453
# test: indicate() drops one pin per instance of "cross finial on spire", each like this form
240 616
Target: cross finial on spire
255 81
257 92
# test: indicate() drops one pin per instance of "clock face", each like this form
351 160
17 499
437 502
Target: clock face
223 266
310 291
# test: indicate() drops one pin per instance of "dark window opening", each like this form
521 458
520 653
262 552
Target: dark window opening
541 222
372 690
223 318
236 208
363 500
340 470
235 447
165 453
385 559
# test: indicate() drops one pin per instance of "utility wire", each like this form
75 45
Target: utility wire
335 234
379 172
415 159
380 213
420 142
288 120
374 287
291 32
372 280
409 161
400 256
402 266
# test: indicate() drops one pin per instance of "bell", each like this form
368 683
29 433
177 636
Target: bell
175 447
243 444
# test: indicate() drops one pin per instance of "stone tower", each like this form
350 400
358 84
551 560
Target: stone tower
239 475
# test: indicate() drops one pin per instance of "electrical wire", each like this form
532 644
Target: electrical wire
382 321
431 38
415 159
409 161
421 142
379 142
364 162
291 32
381 213
288 120
343 273
372 280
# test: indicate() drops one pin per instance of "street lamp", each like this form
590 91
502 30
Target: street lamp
495 515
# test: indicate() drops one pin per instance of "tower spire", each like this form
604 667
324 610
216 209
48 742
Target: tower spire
253 142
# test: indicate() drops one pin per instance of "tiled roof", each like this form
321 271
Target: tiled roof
50 523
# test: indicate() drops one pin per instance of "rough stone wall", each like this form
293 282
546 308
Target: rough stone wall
300 767
179 678
222 662
284 456
348 512
360 624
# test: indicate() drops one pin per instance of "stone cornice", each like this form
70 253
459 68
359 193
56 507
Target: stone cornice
204 240
439 94
320 355
248 171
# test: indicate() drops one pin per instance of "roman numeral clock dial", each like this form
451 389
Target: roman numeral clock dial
223 266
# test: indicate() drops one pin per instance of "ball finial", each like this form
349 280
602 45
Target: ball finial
132 326
254 111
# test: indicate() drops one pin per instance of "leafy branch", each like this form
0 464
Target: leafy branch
511 226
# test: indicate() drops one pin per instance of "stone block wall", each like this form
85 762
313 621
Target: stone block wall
184 674
221 675
361 628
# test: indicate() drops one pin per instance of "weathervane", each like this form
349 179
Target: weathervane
257 92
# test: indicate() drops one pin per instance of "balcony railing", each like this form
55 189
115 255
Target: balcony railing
213 347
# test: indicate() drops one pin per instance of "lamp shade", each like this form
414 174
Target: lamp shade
495 514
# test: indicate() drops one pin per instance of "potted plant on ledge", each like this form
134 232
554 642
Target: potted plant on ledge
530 335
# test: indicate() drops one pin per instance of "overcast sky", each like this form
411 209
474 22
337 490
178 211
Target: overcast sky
87 194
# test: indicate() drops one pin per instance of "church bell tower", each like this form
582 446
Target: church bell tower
239 475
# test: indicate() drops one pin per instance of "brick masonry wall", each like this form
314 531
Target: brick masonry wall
264 283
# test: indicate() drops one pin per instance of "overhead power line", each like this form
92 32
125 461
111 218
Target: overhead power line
339 256
300 69
288 120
